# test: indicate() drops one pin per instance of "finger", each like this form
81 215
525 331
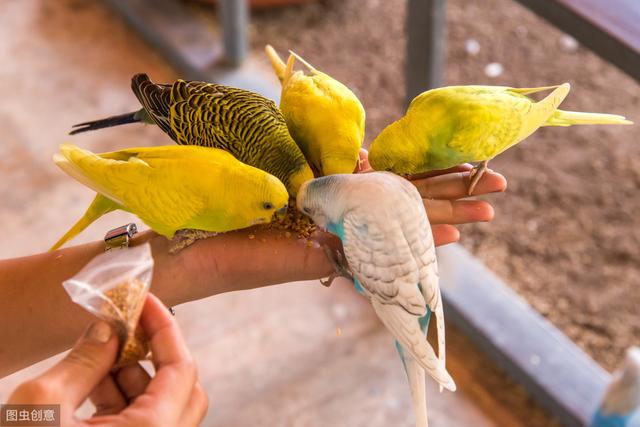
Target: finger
132 380
171 387
84 367
107 398
458 168
455 185
458 211
444 234
196 409
165 339
363 162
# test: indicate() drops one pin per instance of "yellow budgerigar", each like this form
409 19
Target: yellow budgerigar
448 126
173 188
324 117
244 123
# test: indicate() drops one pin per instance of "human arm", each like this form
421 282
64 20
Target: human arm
42 320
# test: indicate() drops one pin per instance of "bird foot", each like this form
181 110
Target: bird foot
339 265
475 175
186 238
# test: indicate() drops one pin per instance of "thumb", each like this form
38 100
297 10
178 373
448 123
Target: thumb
88 362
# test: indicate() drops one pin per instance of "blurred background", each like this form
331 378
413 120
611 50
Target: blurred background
565 236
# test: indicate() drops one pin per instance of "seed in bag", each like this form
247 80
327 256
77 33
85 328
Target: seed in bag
114 286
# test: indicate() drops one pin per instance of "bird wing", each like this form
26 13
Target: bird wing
417 232
406 329
389 262
197 115
213 115
381 260
152 186
87 168
491 119
487 121
155 99
165 193
171 152
424 251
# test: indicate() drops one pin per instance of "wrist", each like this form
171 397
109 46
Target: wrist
169 282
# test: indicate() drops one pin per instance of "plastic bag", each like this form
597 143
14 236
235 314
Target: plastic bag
114 286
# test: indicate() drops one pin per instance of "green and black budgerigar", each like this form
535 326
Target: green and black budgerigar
244 123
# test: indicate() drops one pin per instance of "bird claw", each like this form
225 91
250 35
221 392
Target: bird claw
475 175
185 238
339 265
328 281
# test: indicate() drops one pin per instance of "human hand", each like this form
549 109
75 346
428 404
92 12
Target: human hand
129 397
442 193
257 257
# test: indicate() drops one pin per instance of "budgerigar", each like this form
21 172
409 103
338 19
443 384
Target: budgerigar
452 125
172 188
248 125
325 117
621 402
382 223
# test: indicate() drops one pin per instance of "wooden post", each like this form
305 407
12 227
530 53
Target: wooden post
425 45
234 18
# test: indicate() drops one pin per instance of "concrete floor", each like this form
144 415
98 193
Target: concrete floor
262 362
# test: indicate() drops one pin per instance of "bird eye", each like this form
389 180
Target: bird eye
267 205
306 210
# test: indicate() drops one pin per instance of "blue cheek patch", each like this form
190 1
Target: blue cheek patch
337 229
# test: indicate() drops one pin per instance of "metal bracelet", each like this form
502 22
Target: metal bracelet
120 237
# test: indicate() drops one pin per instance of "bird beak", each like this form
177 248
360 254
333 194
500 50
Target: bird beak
282 212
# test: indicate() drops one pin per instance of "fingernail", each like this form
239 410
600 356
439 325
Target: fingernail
99 332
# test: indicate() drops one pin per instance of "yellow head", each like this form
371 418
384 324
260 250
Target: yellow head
332 165
272 197
249 196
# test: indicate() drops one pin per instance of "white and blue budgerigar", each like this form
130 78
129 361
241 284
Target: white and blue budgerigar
621 402
382 223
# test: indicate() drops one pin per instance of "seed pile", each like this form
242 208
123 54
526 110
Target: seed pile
125 302
293 222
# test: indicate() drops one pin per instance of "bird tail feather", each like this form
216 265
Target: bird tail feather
406 329
439 313
277 63
121 119
85 167
305 63
569 118
417 385
530 90
100 206
542 110
288 72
